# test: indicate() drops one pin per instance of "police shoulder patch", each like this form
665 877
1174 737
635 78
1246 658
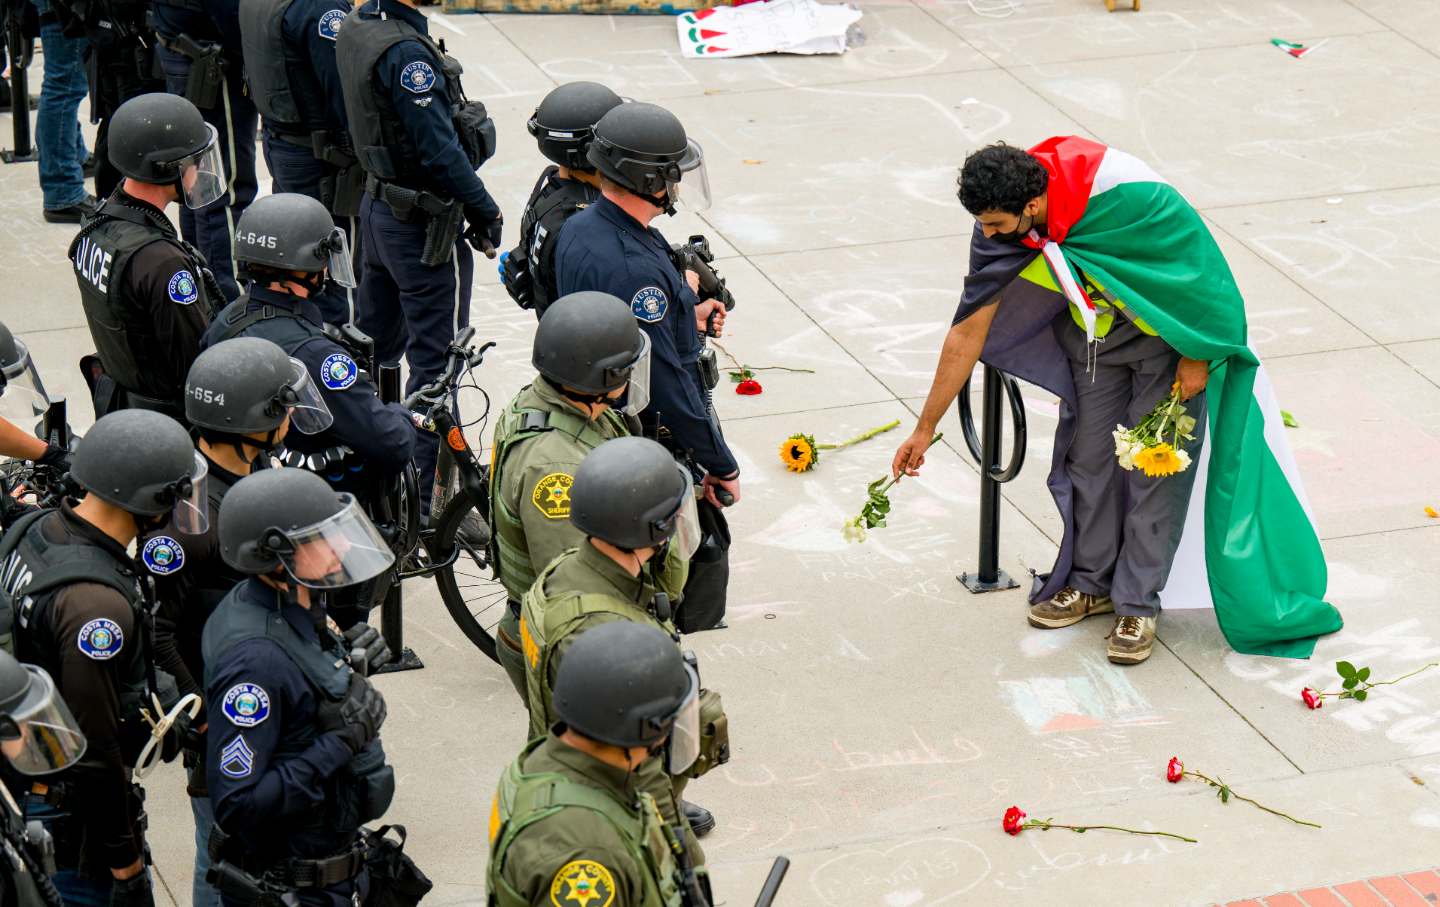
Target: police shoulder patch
417 77
338 371
163 555
100 639
182 288
649 304
237 760
582 883
246 704
329 24
551 495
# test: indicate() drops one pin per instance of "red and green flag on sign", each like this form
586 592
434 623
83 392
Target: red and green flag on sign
1249 547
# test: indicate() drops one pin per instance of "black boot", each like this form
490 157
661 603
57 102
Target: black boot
702 820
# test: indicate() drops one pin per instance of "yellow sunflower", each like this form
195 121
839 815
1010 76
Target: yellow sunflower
1160 460
798 453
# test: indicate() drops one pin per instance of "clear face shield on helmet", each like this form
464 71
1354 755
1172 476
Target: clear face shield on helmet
23 395
309 413
692 193
202 174
39 735
684 524
340 264
342 550
189 513
637 392
683 747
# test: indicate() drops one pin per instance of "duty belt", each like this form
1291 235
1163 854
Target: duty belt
404 201
321 873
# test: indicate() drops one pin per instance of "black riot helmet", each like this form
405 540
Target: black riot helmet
292 519
590 342
631 493
161 139
144 463
245 386
288 232
564 123
626 684
38 735
643 148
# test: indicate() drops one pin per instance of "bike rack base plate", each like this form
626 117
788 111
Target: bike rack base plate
408 661
973 582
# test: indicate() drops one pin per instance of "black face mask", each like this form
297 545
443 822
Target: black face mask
1016 236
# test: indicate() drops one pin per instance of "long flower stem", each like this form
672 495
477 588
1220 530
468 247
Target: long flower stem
1274 812
1034 823
858 438
1386 683
758 368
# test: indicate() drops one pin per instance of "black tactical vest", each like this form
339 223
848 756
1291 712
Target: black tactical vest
120 325
381 143
282 85
553 203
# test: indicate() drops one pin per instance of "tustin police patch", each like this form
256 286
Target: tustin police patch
649 304
582 883
100 639
246 704
329 25
182 288
417 77
338 371
163 555
551 495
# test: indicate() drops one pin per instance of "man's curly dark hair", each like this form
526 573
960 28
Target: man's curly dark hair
1000 178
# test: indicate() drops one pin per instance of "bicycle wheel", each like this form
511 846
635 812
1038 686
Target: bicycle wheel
475 599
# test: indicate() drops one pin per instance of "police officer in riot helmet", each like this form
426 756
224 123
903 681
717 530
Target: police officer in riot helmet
569 827
295 765
242 396
632 502
38 737
148 294
22 401
289 249
78 610
563 125
293 78
420 141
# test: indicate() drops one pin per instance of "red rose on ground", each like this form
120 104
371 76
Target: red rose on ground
1175 770
748 388
1014 821
1312 698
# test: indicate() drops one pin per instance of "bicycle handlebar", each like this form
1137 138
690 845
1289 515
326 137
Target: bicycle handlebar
459 359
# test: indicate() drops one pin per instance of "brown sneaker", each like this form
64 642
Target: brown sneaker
1131 640
1069 606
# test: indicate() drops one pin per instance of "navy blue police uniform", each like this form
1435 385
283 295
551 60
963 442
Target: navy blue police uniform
404 100
289 795
604 249
211 28
369 441
294 81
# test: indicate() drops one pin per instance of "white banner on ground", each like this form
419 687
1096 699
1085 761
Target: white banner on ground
778 26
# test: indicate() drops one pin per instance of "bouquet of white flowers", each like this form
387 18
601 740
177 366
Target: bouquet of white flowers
1155 445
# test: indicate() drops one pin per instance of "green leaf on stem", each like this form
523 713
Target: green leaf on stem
1350 682
1224 793
1360 695
1345 669
1363 674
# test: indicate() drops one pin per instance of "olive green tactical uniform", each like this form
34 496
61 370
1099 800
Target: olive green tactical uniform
578 590
540 440
567 829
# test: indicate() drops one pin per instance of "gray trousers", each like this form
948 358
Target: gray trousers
1127 524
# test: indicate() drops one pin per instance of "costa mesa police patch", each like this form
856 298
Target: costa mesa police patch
246 704
183 288
237 760
338 371
329 24
163 555
100 639
417 77
551 495
649 304
582 883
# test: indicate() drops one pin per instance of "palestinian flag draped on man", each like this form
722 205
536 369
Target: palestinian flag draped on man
1249 547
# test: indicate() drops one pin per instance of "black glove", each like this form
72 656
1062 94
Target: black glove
132 892
58 457
357 717
483 232
368 649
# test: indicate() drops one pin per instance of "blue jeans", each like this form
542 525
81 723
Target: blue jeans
202 893
76 889
57 127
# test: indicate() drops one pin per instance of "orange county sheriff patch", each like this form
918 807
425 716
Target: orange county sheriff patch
552 495
582 883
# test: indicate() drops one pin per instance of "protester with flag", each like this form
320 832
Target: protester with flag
1093 278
